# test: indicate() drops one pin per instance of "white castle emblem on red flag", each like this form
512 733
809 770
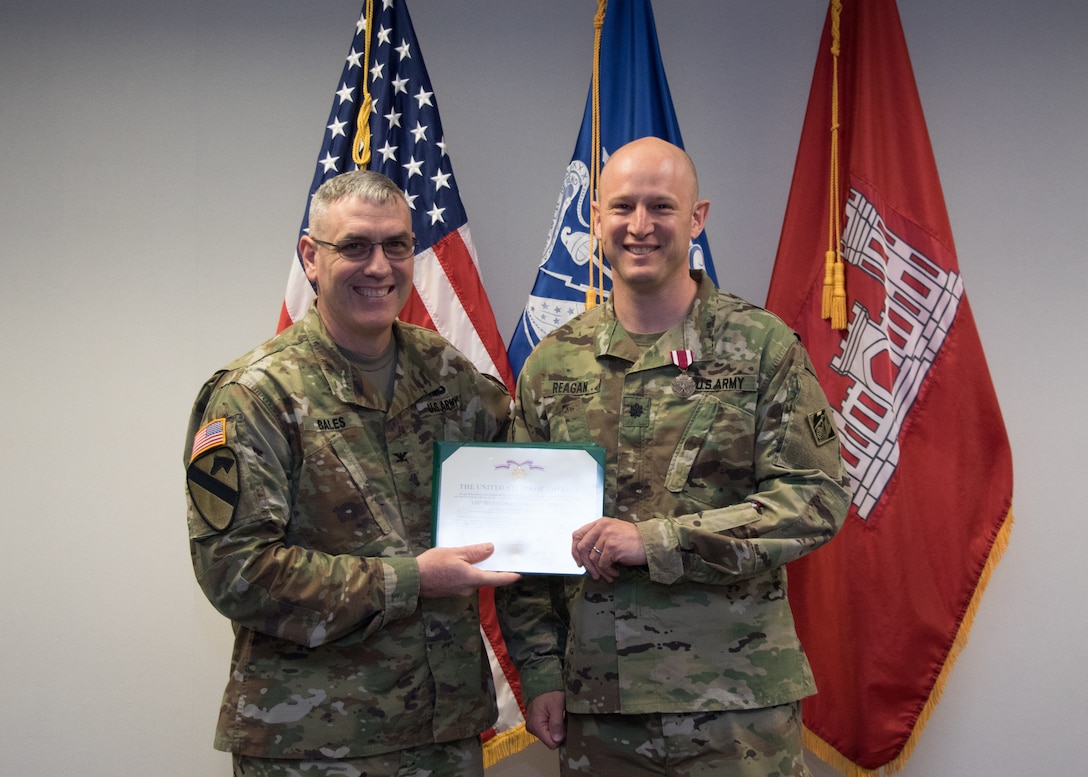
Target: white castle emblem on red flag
887 353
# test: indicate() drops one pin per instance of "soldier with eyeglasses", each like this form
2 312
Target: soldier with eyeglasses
357 645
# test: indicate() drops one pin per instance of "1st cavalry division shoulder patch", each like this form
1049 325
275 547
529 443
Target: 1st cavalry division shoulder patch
213 476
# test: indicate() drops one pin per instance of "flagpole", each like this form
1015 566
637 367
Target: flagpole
595 294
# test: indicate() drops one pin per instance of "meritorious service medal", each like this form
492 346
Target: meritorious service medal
682 385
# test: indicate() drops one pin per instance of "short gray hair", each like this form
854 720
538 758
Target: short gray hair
367 185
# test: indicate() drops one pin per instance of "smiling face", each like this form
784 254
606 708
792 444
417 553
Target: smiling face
647 214
358 300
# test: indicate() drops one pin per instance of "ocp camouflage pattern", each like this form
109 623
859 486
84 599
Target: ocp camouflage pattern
313 556
765 742
726 486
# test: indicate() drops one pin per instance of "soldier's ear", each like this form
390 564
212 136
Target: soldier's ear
307 251
698 217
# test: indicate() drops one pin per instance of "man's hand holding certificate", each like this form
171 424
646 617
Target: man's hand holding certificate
525 499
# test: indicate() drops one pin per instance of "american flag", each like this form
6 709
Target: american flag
210 436
408 145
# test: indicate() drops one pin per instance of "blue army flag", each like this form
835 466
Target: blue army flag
384 117
635 102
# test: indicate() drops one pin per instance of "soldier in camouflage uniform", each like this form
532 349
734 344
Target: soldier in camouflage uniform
357 645
676 654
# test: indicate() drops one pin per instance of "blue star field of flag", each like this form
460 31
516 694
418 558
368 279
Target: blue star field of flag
407 142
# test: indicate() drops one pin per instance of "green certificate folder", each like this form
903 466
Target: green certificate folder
526 499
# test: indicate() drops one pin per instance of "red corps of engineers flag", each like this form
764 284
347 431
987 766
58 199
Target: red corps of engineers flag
385 78
884 609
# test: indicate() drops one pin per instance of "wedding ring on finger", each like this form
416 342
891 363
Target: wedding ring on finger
596 550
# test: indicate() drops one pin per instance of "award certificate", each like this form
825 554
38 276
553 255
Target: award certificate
525 499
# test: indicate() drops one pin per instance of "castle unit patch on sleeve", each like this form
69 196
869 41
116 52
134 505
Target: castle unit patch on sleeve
823 426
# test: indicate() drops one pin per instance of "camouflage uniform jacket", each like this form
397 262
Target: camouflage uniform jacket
726 486
305 517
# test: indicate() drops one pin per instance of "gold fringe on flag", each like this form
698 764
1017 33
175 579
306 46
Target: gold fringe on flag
834 294
828 754
507 743
595 293
360 149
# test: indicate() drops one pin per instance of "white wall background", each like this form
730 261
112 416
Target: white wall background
154 161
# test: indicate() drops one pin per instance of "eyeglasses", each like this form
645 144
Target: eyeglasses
357 250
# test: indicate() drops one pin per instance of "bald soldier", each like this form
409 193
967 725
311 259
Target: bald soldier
357 644
676 653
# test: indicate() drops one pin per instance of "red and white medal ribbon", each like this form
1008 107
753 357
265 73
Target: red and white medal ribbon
682 359
682 385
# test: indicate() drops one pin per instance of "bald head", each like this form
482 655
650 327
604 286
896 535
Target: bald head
653 154
646 214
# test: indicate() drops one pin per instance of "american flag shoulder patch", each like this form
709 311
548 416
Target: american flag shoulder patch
212 435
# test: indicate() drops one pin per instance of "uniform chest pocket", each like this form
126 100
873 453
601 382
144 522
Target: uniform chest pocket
337 510
569 418
713 459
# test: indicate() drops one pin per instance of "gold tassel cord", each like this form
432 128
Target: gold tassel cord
833 173
834 290
595 289
360 149
829 280
838 296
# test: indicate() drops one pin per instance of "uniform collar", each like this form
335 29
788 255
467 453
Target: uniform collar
694 333
415 378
